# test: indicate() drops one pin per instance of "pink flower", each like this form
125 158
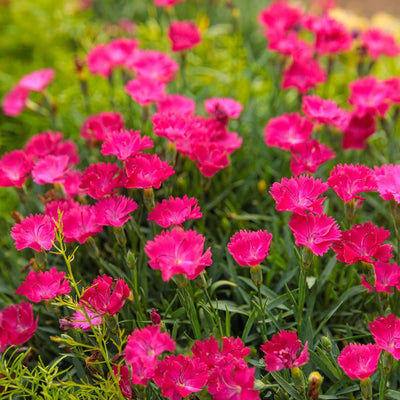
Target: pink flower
97 126
388 181
71 182
393 89
50 169
17 324
146 171
99 62
283 351
176 103
102 179
120 51
14 168
125 144
223 108
386 333
378 42
172 126
183 35
250 248
178 376
80 320
387 276
299 194
308 156
38 80
122 374
35 231
167 3
145 91
114 210
15 101
210 158
359 361
63 205
363 243
323 111
44 285
348 180
100 299
178 252
357 130
289 45
175 211
287 130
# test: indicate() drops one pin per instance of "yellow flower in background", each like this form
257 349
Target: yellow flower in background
387 23
351 20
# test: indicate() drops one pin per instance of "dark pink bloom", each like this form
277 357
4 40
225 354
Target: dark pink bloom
114 210
43 144
176 103
145 91
44 285
290 45
167 3
99 125
145 171
178 252
388 181
363 243
386 333
284 351
250 248
63 205
308 156
359 361
323 111
103 298
287 130
14 168
178 376
183 35
210 158
99 62
299 194
357 130
38 80
17 324
120 50
102 179
378 42
123 374
173 126
393 89
125 144
15 101
175 211
71 182
387 276
35 231
50 169
83 319
223 108
347 180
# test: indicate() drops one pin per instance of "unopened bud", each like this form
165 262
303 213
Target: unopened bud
148 199
120 236
91 247
256 275
326 343
306 258
130 259
366 388
387 362
155 317
298 379
262 186
314 384
40 260
369 272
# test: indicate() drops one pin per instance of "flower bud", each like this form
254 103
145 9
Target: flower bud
298 379
306 258
148 199
155 317
387 362
91 247
366 388
326 344
369 272
40 260
130 259
120 236
314 384
256 275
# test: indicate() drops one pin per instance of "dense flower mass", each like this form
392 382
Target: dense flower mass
96 127
386 333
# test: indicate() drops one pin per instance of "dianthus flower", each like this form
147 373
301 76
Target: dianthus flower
289 45
102 179
223 108
145 171
37 81
347 180
357 130
145 91
210 158
98 61
283 351
97 126
183 35
125 144
386 333
388 181
50 169
317 232
62 205
178 252
363 243
323 111
35 231
172 125
287 130
121 50
176 103
359 361
44 285
17 324
393 89
123 375
83 319
71 182
14 168
308 156
114 210
387 276
15 101
178 376
250 248
378 42
167 3
175 211
299 194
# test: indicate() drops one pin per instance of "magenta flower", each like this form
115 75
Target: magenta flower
99 62
17 324
178 376
80 320
386 333
178 252
167 3
347 180
223 108
71 182
38 80
356 131
176 103
183 35
299 194
308 156
387 276
145 171
121 50
287 130
50 169
15 101
14 168
388 181
145 91
210 158
97 126
250 248
102 179
44 285
359 361
123 376
35 231
175 211
323 111
378 42
317 232
63 205
363 243
125 144
114 210
284 351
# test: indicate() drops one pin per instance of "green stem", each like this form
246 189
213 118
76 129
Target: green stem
262 313
301 299
217 319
